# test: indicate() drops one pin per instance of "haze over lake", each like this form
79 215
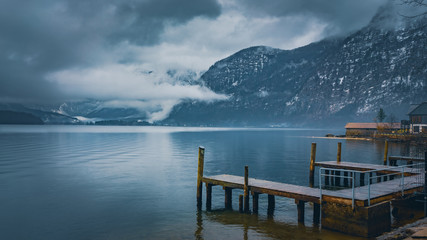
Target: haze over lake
92 182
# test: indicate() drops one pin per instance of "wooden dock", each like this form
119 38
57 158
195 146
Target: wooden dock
362 210
382 191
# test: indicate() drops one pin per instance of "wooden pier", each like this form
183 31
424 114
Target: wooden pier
362 211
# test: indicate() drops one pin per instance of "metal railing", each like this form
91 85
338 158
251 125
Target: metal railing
388 173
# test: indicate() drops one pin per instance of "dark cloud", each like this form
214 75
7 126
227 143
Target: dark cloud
56 49
43 36
342 16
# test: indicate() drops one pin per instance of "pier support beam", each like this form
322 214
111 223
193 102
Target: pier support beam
241 203
271 204
255 197
312 161
301 208
228 197
316 213
362 221
208 196
200 177
246 190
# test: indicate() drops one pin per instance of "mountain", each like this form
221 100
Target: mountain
46 116
10 117
327 83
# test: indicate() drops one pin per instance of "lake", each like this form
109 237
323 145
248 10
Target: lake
114 182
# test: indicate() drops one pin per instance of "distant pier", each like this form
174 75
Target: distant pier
360 207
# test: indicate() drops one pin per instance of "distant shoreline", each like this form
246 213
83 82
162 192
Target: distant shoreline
346 138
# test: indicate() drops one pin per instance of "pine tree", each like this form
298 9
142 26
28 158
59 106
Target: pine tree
381 115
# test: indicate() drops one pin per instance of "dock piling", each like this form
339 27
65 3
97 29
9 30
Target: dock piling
271 204
255 197
228 197
200 176
338 173
385 152
312 161
241 203
246 190
385 156
301 207
208 196
316 213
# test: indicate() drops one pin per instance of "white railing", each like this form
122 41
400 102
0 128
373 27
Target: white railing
387 173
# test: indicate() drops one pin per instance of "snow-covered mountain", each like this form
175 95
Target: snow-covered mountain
383 65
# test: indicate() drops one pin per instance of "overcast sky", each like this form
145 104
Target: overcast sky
105 49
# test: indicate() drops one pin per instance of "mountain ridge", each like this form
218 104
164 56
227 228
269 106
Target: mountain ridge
341 79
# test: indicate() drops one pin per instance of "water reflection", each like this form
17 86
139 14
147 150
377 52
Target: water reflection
257 227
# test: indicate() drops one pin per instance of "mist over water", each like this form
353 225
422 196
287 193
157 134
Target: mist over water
92 182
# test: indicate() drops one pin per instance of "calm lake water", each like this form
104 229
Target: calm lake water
96 182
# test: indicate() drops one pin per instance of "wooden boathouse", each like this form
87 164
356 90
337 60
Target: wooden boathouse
361 208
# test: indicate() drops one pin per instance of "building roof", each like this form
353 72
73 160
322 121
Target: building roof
412 107
372 125
420 109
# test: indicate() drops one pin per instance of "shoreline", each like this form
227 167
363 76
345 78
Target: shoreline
345 138
406 231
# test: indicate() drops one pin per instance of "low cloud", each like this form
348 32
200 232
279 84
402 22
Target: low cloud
130 86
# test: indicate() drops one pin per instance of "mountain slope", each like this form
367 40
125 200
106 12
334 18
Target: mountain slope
331 81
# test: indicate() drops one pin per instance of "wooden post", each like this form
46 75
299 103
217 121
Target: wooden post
208 196
338 173
271 204
385 152
255 197
246 190
228 197
240 203
300 206
312 161
200 176
339 153
385 157
316 213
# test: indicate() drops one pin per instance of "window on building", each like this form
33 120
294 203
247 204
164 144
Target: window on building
416 129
